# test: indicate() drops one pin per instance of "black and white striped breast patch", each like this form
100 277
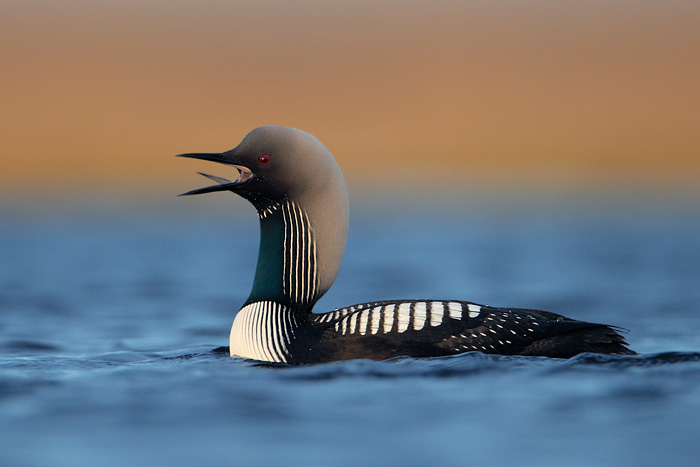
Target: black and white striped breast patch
263 331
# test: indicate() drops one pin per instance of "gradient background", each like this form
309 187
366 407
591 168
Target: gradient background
559 140
526 96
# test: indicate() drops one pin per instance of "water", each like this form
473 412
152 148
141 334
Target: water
107 325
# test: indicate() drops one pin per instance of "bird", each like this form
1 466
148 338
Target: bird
301 199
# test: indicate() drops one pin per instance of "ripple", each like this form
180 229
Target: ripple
29 347
629 361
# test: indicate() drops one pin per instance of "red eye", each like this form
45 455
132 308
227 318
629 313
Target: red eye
264 159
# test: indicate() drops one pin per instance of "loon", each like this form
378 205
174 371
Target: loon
301 198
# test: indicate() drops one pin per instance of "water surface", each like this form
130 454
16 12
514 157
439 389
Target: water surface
107 325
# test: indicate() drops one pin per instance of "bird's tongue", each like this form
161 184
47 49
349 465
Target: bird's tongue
244 175
219 180
223 183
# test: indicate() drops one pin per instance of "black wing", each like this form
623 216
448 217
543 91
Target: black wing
428 328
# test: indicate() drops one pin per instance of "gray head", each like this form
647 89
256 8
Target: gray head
279 164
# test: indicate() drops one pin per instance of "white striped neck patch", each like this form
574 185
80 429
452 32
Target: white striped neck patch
299 269
288 260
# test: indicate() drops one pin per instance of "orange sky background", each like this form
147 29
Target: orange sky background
98 96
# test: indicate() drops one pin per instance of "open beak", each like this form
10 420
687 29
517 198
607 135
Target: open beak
224 184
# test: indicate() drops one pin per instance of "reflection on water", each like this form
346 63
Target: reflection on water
106 331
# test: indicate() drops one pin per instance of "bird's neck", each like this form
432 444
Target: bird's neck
288 262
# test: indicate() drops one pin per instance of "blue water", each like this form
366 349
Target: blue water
107 322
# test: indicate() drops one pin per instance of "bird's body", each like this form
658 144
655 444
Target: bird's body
302 202
417 328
